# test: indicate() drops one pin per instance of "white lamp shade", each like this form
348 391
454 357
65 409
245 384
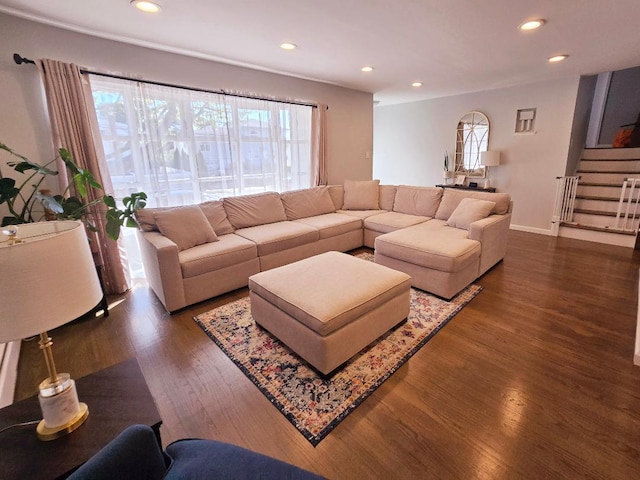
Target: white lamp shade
47 280
490 158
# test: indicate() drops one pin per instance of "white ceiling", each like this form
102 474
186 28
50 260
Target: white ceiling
452 46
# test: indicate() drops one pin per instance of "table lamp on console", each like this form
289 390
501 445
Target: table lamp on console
47 279
489 158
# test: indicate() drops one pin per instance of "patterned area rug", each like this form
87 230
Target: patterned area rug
314 405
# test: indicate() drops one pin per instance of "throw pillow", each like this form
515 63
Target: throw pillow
361 195
468 211
185 226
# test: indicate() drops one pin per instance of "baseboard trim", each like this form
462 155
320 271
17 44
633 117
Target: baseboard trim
9 354
539 231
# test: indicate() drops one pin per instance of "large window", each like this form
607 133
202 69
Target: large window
183 146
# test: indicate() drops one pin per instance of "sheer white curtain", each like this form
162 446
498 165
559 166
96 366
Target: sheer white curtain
183 147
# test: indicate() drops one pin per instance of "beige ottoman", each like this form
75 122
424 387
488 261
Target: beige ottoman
328 307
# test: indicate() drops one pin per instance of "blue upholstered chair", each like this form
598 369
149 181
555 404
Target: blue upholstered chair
135 454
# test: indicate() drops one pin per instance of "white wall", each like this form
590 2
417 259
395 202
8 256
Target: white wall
410 141
24 123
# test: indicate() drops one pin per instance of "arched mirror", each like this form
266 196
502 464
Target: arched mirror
472 137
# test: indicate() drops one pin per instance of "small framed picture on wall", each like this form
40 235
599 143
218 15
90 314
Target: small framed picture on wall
460 179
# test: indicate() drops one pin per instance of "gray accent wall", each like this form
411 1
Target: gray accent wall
623 103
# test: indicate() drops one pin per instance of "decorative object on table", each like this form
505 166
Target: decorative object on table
473 184
460 179
48 279
490 158
314 405
22 200
447 174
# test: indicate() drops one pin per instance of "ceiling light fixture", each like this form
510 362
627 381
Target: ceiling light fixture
532 24
416 84
367 69
146 6
557 58
288 46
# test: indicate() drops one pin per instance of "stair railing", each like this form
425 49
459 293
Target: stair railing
628 205
566 188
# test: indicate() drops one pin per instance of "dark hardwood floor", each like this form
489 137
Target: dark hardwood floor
533 379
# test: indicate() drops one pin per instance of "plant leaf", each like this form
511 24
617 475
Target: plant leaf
27 165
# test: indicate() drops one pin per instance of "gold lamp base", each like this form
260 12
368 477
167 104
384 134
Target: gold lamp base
46 433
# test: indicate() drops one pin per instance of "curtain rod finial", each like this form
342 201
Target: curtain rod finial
20 59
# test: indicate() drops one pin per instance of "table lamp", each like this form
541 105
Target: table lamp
47 279
489 158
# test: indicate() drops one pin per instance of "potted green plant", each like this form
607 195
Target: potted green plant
22 198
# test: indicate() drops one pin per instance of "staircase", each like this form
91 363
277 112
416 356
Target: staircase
602 172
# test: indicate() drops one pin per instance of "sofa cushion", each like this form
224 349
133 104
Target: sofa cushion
417 200
217 216
468 211
446 249
145 219
337 195
361 195
332 224
451 198
307 203
390 221
279 236
387 195
185 226
252 210
362 214
229 250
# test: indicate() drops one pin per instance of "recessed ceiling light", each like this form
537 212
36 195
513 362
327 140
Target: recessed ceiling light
146 6
367 69
416 84
288 46
557 58
532 24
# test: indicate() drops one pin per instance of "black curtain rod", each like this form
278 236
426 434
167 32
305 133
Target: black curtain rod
19 59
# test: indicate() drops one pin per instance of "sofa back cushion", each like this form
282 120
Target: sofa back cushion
421 201
217 216
337 195
361 195
451 198
213 211
146 220
185 226
253 210
307 203
387 195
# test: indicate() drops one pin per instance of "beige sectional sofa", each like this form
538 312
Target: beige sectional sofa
196 252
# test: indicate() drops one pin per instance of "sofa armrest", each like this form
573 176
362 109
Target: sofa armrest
492 233
162 268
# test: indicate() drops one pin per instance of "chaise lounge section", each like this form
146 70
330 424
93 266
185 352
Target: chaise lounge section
197 252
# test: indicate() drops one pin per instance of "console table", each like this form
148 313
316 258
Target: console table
464 187
117 397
